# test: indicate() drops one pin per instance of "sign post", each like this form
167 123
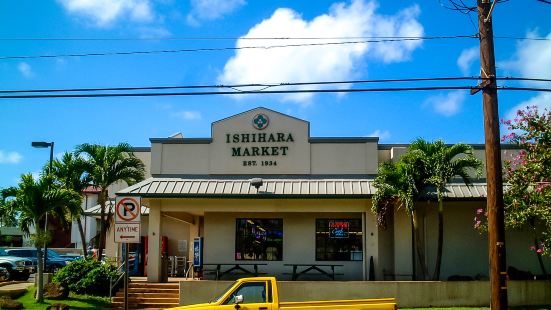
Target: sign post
127 230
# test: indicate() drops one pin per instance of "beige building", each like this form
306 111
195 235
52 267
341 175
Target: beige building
262 191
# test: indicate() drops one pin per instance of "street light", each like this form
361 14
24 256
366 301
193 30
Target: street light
41 144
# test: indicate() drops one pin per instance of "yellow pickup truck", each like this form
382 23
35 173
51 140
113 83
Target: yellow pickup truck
262 294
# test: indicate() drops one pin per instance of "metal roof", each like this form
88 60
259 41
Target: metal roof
275 187
96 210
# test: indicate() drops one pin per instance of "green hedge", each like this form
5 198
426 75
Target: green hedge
87 276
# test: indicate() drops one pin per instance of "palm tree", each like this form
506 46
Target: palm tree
33 199
70 173
443 163
400 185
105 166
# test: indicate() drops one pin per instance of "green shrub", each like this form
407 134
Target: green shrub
86 277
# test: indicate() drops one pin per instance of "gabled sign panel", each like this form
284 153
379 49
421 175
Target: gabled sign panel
260 141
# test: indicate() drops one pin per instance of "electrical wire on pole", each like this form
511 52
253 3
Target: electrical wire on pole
262 92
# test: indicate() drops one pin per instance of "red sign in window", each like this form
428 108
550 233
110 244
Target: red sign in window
339 228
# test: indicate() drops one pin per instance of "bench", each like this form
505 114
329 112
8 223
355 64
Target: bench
318 268
223 269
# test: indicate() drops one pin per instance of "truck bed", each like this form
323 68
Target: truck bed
356 304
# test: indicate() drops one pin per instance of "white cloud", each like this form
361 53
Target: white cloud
155 32
382 134
105 12
321 63
10 157
447 104
532 58
466 59
188 115
25 69
212 9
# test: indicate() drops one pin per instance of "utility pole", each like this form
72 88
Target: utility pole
496 224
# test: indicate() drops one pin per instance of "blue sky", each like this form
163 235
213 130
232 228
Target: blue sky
150 25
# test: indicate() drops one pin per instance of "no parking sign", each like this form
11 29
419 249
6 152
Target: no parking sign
127 219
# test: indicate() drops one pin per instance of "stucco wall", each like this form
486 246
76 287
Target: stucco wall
465 249
175 230
344 158
407 293
402 246
298 242
386 250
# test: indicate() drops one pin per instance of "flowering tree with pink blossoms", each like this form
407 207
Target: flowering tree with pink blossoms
528 175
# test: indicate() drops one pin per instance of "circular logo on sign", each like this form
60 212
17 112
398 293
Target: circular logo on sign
260 121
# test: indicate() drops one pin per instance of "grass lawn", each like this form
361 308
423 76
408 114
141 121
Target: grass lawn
74 301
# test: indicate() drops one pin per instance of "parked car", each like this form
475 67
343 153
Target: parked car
66 256
54 261
16 268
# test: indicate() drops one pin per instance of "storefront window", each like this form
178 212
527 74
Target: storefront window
259 239
339 239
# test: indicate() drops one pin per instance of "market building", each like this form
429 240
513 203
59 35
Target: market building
262 194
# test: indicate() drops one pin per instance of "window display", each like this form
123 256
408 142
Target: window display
259 239
339 239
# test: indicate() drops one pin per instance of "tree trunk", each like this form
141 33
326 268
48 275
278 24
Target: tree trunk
82 237
437 268
102 200
419 245
39 275
105 227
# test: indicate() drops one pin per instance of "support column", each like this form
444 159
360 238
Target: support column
365 265
154 243
403 244
371 244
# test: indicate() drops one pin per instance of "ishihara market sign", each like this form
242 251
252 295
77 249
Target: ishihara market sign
259 148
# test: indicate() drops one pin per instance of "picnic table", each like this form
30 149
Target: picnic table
223 269
319 268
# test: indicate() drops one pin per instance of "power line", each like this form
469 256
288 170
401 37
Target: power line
270 38
522 38
524 88
217 49
208 49
268 85
234 86
241 38
523 79
264 92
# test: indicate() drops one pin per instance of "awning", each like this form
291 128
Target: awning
274 187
